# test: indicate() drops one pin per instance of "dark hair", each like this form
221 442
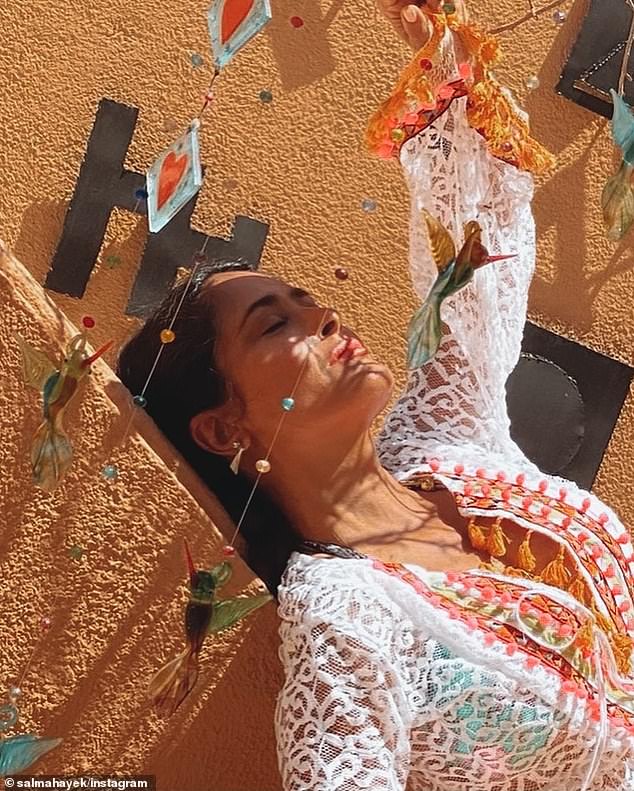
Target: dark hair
186 382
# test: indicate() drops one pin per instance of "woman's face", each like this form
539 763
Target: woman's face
263 325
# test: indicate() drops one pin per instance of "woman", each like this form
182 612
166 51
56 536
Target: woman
451 618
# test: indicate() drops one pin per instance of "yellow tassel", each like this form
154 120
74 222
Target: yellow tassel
622 649
525 558
556 572
476 536
584 639
602 622
577 589
496 540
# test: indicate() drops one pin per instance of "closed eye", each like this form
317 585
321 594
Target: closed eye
274 327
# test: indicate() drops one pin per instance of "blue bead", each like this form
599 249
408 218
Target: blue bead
110 472
141 194
288 404
140 400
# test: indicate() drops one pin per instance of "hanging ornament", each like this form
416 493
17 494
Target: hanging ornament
174 178
455 271
110 472
617 199
51 452
233 23
532 82
204 615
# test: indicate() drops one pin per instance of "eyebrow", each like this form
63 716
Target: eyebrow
272 299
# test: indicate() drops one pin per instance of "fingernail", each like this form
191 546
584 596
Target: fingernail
410 14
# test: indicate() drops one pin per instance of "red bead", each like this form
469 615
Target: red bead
545 619
45 623
459 469
472 622
583 537
501 476
341 273
297 21
565 630
465 71
617 590
543 485
506 598
434 465
88 322
489 639
520 479
426 64
228 551
452 576
481 472
630 624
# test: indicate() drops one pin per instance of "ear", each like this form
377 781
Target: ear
213 431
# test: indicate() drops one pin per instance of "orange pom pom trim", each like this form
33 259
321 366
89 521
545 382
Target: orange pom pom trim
418 100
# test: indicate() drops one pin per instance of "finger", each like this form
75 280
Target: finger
417 27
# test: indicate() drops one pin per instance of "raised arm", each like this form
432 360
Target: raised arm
458 174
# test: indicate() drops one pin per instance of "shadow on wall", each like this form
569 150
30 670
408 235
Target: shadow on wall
301 59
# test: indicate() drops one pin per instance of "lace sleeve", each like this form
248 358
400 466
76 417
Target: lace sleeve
342 719
459 397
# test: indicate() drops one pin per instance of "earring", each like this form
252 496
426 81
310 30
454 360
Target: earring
235 462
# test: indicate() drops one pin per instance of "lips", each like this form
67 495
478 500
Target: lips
346 349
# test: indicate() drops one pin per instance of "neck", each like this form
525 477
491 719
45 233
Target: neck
341 494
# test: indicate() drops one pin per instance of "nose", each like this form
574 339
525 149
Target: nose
330 323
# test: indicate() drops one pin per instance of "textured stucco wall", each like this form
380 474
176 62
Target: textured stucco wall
299 165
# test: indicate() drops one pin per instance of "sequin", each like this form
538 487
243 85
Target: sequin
266 97
197 60
110 472
368 205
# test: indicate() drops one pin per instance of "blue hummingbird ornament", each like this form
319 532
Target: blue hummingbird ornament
617 200
455 271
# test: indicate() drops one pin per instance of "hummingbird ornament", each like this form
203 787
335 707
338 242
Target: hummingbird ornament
204 614
18 752
454 273
617 200
51 452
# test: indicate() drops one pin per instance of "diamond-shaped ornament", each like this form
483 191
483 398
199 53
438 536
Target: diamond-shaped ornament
233 23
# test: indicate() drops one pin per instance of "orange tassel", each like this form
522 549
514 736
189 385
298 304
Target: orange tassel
602 622
577 589
476 536
556 572
622 649
497 540
525 558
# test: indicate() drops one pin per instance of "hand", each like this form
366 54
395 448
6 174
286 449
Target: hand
409 19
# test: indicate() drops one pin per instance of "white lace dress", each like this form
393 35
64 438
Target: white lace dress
423 680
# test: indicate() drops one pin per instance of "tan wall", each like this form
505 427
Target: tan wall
300 166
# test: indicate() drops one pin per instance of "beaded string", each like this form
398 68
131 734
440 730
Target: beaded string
559 16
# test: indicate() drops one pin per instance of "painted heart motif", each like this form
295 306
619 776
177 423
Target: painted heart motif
234 12
172 170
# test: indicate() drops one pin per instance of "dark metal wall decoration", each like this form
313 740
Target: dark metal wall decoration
564 401
602 57
104 184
